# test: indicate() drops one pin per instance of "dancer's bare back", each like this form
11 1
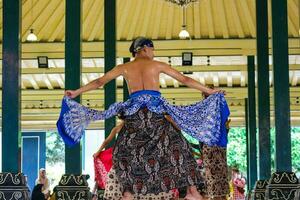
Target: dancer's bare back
143 74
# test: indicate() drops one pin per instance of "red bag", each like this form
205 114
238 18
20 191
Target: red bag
102 165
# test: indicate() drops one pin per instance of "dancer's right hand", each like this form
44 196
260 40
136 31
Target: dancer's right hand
71 93
96 154
213 91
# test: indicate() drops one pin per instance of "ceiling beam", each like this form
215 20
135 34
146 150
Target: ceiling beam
84 79
43 33
23 85
33 82
243 79
215 77
295 78
47 81
39 22
59 80
99 26
197 20
195 68
249 19
123 19
59 27
222 18
135 17
32 16
162 81
202 79
292 28
175 83
158 21
269 18
92 22
293 13
210 20
147 12
162 47
236 18
229 79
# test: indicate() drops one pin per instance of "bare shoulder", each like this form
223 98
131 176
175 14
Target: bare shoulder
120 67
124 65
161 65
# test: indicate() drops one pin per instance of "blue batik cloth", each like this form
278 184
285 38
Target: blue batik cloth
204 120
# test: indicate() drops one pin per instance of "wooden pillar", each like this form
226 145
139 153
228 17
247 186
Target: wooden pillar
263 88
109 59
247 143
252 122
283 183
281 86
73 73
11 81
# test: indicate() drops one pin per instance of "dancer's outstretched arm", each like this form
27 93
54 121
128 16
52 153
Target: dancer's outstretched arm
167 69
112 134
99 82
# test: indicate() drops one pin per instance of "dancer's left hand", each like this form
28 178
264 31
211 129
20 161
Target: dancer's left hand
71 93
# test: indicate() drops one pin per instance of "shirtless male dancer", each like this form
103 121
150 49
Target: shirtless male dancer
143 74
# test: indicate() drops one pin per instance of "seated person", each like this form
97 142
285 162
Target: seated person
44 181
37 193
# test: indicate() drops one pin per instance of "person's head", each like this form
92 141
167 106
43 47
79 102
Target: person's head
42 173
235 172
142 47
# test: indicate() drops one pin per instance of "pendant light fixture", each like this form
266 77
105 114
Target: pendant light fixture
31 37
184 34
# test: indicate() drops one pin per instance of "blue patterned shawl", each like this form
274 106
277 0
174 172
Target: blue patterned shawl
204 120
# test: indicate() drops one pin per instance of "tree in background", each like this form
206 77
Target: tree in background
236 149
55 157
295 143
55 150
296 149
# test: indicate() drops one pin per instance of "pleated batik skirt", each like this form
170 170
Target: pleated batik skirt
152 156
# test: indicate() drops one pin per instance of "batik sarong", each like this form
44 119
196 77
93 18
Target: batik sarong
215 164
113 190
102 165
204 120
152 156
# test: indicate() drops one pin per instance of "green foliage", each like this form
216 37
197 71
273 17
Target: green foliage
236 149
55 150
296 149
295 143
